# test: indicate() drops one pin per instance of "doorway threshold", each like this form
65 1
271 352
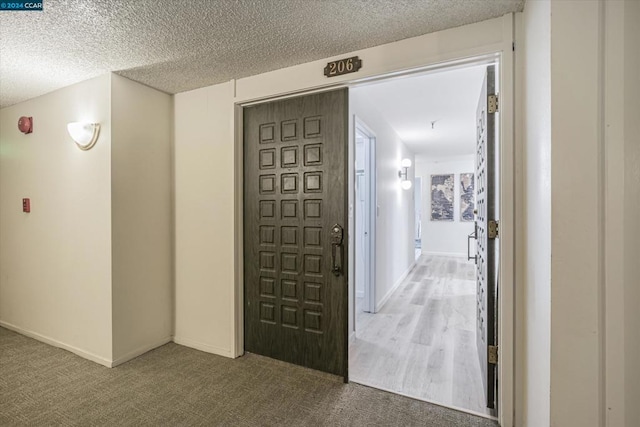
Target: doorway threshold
453 408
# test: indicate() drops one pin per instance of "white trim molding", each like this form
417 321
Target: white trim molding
386 297
141 350
47 340
207 348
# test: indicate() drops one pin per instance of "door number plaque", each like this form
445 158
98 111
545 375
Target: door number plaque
343 66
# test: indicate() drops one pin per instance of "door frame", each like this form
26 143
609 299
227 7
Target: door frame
370 185
418 190
462 47
495 60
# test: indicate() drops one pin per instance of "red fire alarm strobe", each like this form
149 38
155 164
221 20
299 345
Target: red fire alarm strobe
25 124
26 205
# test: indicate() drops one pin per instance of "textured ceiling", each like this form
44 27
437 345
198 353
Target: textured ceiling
447 97
177 46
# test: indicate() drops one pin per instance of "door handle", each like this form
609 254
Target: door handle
473 235
337 235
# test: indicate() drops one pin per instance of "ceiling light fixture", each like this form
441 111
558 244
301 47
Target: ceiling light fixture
85 135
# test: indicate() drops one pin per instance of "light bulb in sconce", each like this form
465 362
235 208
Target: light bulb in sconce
85 135
406 163
406 184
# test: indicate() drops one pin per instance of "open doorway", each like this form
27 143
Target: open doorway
365 190
421 336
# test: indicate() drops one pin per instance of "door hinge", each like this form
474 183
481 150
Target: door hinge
494 106
493 354
494 229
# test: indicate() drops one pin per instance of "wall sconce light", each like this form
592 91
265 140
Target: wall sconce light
85 135
403 174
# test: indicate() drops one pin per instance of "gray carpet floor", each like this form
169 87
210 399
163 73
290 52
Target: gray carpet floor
41 385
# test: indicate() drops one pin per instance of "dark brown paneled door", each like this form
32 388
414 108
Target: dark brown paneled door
295 286
486 256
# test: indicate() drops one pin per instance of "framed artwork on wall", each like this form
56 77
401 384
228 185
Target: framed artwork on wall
467 196
442 197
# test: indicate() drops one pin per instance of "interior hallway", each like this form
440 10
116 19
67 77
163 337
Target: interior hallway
175 385
422 343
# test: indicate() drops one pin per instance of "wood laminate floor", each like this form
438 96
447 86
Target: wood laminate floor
422 343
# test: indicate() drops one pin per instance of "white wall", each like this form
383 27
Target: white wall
89 269
395 217
631 92
615 233
576 221
581 91
141 218
444 237
580 109
621 212
204 217
55 262
561 381
534 74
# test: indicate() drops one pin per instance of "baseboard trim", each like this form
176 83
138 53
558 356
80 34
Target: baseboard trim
404 275
452 254
140 351
208 348
47 340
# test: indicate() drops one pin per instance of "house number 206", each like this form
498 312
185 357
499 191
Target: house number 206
342 66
